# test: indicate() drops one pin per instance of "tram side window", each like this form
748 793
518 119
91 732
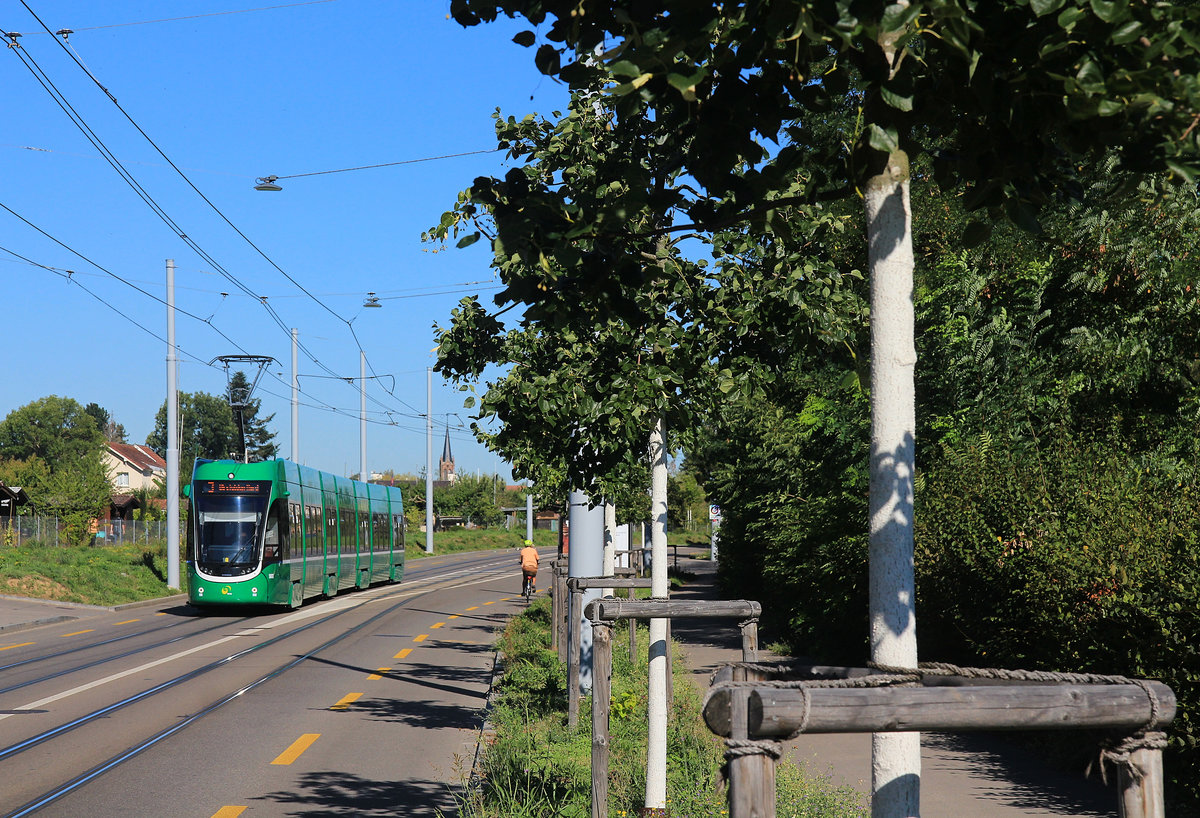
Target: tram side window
398 525
331 530
191 535
346 516
276 536
380 523
296 527
313 531
364 532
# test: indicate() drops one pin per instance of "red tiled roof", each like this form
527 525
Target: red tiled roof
142 458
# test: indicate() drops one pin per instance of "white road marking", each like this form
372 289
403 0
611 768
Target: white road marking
331 605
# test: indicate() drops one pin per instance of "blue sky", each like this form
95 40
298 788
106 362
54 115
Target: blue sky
230 95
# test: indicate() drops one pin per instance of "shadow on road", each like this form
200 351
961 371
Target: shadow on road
342 794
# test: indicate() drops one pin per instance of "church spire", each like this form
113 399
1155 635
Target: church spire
446 464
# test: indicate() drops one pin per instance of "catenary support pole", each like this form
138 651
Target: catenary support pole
529 512
295 398
172 438
429 460
363 475
585 558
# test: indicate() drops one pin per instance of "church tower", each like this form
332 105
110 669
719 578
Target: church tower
446 464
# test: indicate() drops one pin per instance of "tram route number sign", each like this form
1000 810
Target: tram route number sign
714 513
234 487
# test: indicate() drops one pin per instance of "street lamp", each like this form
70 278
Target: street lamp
267 183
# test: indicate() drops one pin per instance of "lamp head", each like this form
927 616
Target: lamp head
267 183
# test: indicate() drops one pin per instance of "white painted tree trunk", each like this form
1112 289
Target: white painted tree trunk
656 753
895 757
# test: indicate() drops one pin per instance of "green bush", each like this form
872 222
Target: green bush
1068 555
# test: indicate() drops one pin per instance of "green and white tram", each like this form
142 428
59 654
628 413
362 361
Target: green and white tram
277 533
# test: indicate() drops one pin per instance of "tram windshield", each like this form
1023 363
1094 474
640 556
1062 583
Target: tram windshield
229 530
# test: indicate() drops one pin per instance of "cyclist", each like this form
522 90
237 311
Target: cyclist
529 566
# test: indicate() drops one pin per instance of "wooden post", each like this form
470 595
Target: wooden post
632 639
555 602
751 777
749 640
564 610
1142 788
574 599
601 695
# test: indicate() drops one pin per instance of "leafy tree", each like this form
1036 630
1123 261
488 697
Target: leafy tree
75 490
113 432
1018 95
52 429
259 441
206 430
471 497
686 502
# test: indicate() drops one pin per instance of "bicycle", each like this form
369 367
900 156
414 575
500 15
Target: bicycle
527 589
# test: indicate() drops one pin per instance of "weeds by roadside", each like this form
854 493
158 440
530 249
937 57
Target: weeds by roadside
111 575
534 766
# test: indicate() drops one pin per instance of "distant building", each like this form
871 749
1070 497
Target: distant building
446 464
11 497
132 467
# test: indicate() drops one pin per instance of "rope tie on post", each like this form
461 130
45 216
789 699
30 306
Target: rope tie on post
739 747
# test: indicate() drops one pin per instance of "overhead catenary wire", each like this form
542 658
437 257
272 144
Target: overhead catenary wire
126 175
69 276
43 79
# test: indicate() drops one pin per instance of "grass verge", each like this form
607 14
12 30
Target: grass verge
537 767
112 575
475 539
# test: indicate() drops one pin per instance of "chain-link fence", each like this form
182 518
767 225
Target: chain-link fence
51 531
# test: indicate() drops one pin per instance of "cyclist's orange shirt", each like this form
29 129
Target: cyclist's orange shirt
529 558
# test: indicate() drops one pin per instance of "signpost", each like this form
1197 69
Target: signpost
714 517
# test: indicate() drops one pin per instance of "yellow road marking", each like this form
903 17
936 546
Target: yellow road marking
493 602
403 653
126 622
378 674
346 701
18 645
229 812
437 624
161 613
453 616
298 746
421 638
76 633
473 608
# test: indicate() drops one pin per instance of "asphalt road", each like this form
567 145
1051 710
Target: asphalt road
366 704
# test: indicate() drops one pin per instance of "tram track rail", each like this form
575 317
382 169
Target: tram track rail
61 790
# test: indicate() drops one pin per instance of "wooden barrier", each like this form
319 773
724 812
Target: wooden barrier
575 587
603 613
754 714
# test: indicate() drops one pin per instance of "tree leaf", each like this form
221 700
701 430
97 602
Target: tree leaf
903 103
1043 7
468 240
1110 11
525 38
883 139
547 59
976 233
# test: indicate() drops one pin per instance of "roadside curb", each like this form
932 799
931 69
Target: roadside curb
486 731
36 623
